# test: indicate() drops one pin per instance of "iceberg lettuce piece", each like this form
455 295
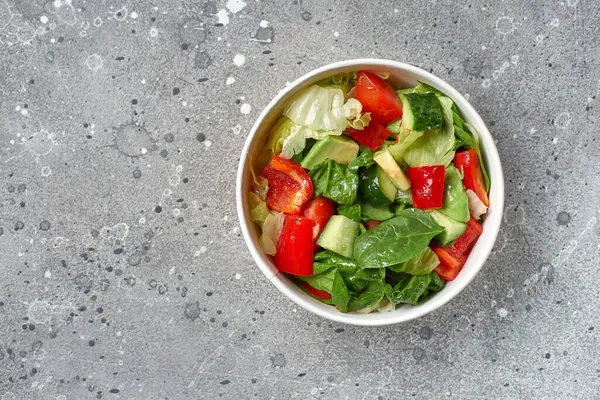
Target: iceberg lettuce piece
289 138
319 108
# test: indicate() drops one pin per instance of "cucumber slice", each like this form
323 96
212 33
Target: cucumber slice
452 229
421 112
339 235
377 213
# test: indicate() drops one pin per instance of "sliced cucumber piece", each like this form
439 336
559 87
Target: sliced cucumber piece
452 229
339 235
421 112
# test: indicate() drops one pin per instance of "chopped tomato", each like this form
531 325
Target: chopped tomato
319 210
289 185
377 97
468 163
372 136
319 294
370 224
295 246
427 186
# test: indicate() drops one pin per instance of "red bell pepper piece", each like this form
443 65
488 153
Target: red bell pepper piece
295 246
377 97
468 163
370 224
319 210
319 294
452 258
449 271
372 136
466 241
289 185
427 186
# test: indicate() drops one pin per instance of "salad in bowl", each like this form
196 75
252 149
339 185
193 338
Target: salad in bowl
369 195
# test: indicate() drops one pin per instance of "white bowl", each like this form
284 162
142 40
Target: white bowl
401 75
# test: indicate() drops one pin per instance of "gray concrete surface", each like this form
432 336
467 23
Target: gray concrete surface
123 274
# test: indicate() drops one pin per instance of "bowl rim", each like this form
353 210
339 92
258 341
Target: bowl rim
484 248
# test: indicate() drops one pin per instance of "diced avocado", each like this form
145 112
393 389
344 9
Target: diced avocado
375 187
394 127
452 229
421 112
340 149
378 213
385 184
392 169
339 235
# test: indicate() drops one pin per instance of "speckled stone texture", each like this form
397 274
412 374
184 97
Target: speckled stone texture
123 272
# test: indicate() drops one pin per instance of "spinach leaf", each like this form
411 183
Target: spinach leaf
409 289
369 297
396 240
364 159
353 212
455 204
321 281
339 293
422 264
360 279
335 181
328 259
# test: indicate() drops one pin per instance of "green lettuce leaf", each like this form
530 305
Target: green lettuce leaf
319 108
396 240
422 264
271 230
455 204
434 147
344 81
335 181
258 208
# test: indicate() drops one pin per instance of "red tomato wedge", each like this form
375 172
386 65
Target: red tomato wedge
427 186
319 294
372 136
295 246
377 97
319 210
370 224
289 185
468 163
